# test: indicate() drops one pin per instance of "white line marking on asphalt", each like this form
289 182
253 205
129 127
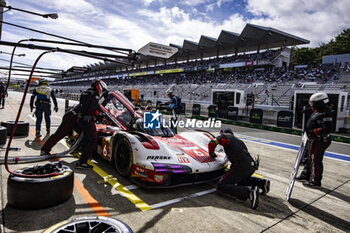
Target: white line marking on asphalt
165 203
131 187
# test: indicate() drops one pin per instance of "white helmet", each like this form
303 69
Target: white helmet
169 92
318 100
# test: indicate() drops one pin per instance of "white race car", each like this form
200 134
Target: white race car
154 157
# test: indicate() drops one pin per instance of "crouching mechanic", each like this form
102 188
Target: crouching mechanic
89 110
318 128
238 180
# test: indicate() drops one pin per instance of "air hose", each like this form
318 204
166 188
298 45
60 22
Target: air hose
17 118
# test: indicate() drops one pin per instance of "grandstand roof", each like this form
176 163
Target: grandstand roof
252 38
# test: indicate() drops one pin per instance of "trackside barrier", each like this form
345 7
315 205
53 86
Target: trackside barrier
232 113
256 116
213 111
285 119
336 138
196 110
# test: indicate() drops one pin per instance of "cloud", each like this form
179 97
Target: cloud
315 20
132 24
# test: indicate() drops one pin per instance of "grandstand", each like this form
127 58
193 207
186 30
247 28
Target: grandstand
255 61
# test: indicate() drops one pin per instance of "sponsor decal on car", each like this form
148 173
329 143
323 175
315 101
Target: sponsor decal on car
155 157
141 172
159 178
183 159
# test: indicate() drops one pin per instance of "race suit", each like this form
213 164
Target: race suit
2 95
43 105
173 107
69 123
89 109
237 179
318 128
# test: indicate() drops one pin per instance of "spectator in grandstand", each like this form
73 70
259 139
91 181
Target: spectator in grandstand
318 128
89 110
238 181
43 93
3 92
174 107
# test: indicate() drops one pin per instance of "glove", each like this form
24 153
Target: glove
213 155
31 108
56 109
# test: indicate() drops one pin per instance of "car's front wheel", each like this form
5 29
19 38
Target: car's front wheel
123 157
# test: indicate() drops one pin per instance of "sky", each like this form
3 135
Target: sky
133 23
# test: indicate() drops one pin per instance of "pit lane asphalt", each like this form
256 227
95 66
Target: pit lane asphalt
196 208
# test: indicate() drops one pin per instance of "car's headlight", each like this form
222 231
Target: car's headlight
171 168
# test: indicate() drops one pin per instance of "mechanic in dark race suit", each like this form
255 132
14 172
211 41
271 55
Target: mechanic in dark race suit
43 93
238 180
69 123
89 110
3 92
173 107
318 128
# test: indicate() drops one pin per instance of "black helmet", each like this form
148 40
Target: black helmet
227 130
99 86
43 82
319 100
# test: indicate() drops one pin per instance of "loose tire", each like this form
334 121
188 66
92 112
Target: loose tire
90 224
38 193
22 128
3 133
123 157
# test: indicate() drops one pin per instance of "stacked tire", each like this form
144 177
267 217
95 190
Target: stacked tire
22 128
40 192
3 133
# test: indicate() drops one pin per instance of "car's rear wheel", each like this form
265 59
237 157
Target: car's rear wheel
90 224
123 158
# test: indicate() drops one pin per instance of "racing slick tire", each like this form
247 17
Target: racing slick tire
123 157
22 128
3 133
90 224
36 193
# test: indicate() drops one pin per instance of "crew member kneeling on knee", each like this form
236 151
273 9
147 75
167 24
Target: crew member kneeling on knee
238 181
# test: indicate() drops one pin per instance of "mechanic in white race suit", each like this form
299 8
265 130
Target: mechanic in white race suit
238 181
43 93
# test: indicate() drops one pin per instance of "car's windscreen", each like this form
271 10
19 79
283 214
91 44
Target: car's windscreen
119 111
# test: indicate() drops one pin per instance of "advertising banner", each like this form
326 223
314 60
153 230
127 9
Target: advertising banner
256 116
213 111
196 110
285 119
232 113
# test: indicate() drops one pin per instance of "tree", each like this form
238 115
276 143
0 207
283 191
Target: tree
313 56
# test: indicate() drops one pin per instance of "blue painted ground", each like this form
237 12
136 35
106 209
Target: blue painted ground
332 155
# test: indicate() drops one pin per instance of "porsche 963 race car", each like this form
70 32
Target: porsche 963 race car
154 157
